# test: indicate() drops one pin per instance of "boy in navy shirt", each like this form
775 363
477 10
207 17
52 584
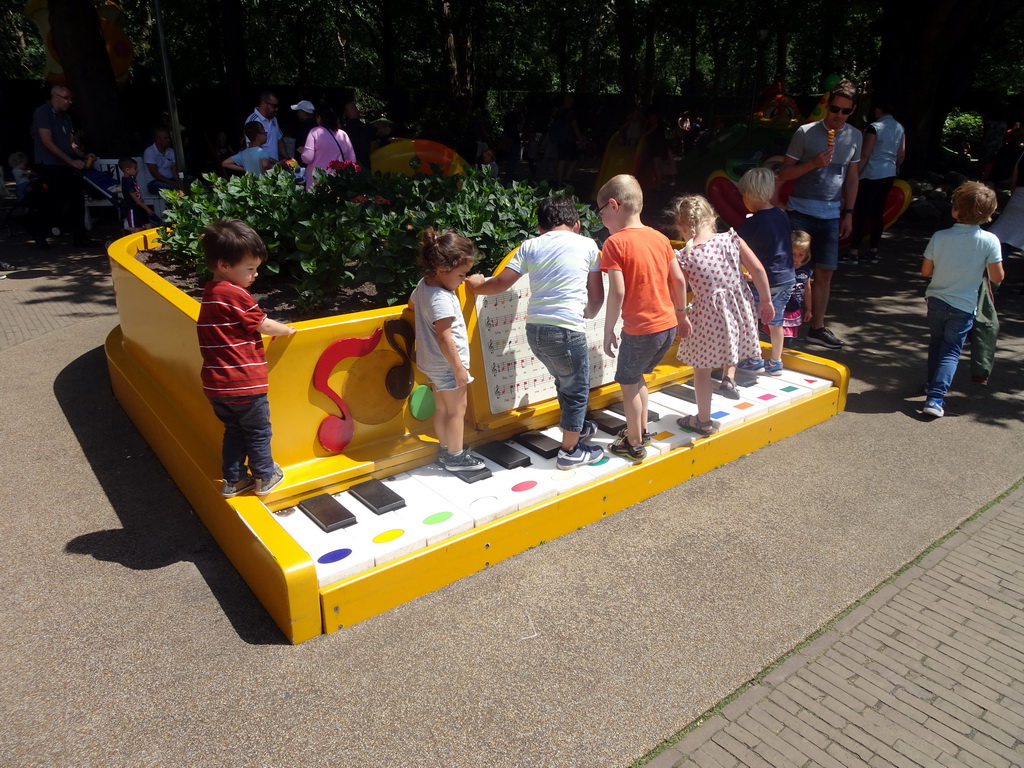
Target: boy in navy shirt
137 213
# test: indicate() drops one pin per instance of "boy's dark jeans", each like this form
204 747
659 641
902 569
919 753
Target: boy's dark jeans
246 435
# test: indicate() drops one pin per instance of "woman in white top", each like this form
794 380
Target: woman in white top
325 143
885 145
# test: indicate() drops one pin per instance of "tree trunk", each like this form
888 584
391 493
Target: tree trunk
83 55
626 26
237 79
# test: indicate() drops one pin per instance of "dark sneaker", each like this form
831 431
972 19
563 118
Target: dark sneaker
463 461
934 408
851 256
588 431
773 367
751 365
621 447
873 257
227 490
646 436
263 487
582 455
824 337
5 267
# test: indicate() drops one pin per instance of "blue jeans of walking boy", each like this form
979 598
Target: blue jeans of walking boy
949 327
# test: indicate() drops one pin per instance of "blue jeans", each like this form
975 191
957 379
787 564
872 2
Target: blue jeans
564 353
824 238
949 327
246 434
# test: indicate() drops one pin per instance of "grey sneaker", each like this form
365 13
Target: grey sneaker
463 461
588 431
263 487
580 456
227 490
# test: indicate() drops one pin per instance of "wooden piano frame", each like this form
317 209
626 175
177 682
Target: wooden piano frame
154 363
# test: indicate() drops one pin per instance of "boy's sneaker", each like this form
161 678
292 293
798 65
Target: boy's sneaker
463 461
580 456
751 365
621 447
227 490
588 431
773 367
824 337
934 408
263 487
646 439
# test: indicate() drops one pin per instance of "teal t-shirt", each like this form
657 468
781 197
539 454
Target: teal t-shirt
960 255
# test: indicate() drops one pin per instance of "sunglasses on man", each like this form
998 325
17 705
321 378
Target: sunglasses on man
836 110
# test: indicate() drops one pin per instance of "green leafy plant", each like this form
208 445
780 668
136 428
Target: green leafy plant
354 228
963 126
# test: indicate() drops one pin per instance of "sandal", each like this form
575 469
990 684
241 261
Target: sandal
727 389
693 424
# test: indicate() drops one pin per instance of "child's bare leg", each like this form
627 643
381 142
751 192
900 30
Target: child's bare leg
702 386
778 338
634 406
449 421
570 440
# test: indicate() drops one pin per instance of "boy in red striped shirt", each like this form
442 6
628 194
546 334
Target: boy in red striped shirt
234 370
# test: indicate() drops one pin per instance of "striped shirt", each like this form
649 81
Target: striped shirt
234 362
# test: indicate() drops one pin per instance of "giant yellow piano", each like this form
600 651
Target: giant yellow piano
366 518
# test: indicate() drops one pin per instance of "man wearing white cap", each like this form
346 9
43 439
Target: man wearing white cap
304 114
266 115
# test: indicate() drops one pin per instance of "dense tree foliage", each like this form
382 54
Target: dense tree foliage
718 57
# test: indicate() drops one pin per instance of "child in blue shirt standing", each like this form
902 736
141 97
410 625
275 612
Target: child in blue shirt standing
955 260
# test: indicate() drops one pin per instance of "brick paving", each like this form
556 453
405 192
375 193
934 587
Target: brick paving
928 671
51 289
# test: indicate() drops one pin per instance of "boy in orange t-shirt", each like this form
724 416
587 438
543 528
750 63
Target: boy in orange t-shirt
647 288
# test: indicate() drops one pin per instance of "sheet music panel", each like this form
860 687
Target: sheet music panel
515 377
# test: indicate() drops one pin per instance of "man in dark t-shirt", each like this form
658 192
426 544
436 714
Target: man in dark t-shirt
59 163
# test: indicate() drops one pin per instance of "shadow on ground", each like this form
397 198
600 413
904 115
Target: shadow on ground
158 526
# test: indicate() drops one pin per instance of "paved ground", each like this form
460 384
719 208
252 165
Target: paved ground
129 640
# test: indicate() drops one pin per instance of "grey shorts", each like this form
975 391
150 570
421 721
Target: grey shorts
639 354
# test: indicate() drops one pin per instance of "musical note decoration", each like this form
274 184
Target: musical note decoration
335 432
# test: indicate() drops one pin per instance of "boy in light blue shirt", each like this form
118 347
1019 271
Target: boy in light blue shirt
254 159
955 260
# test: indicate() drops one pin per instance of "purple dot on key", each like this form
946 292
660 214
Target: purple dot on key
334 556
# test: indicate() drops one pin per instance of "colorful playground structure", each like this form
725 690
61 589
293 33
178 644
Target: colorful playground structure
725 196
366 519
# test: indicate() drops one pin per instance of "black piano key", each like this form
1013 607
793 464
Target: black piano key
503 454
377 496
539 444
620 409
606 422
681 392
474 476
327 512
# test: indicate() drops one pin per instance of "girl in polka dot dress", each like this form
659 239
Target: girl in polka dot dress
722 313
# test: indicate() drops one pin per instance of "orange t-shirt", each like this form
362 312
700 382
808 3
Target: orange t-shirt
644 257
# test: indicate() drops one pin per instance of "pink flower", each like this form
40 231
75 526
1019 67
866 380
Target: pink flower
341 165
360 199
381 200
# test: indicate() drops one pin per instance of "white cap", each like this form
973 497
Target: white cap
305 106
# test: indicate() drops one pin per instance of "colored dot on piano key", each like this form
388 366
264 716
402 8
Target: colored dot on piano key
526 485
383 538
437 517
334 556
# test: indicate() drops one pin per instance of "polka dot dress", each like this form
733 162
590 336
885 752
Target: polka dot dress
724 324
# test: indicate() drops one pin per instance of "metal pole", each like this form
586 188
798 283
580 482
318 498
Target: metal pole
172 104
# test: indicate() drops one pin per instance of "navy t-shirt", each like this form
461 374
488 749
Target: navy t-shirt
768 235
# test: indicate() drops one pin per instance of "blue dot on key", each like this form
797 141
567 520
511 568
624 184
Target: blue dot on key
334 556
